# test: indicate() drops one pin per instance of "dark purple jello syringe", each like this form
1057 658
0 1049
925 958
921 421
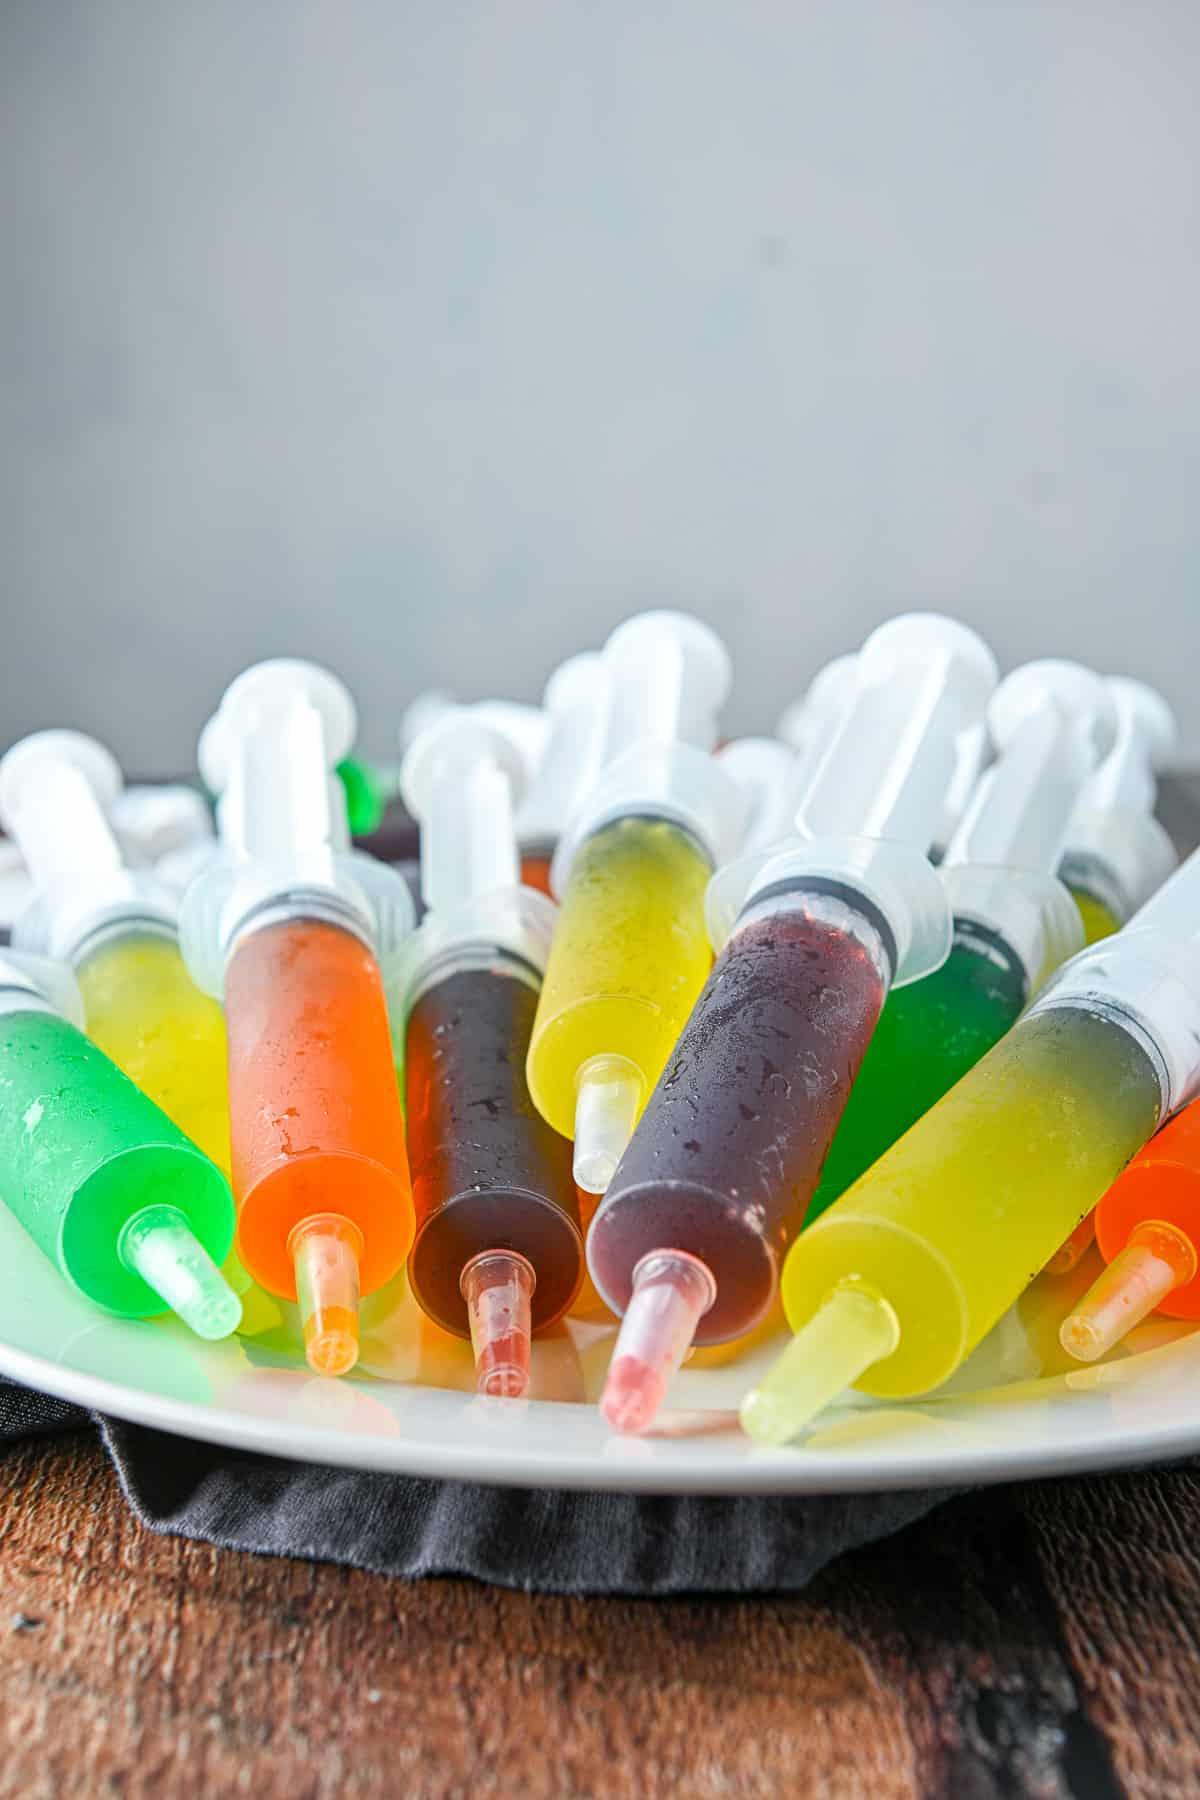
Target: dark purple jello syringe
731 1145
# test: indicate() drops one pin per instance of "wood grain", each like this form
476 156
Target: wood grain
1120 1558
988 1650
137 1665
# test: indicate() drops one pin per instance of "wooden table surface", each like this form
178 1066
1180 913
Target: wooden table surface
1042 1639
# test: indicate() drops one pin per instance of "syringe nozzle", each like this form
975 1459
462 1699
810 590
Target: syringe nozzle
1157 1259
158 1244
608 1099
497 1286
325 1250
853 1328
672 1291
1075 1249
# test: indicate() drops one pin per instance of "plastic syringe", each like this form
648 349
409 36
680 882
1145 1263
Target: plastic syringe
298 937
1116 853
893 1287
630 951
971 757
151 822
809 724
770 776
498 1253
574 707
775 773
127 1208
810 935
117 928
1148 1230
1014 924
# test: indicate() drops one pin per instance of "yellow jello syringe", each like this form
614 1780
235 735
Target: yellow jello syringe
116 928
631 951
902 1277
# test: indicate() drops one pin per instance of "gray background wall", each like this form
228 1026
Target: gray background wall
430 337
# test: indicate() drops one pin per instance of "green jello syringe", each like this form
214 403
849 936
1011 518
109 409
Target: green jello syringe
131 1212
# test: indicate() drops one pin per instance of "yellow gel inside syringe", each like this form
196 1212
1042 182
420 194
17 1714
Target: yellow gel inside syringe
146 1013
629 958
1098 921
899 1280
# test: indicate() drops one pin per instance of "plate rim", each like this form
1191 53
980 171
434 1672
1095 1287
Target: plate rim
798 1472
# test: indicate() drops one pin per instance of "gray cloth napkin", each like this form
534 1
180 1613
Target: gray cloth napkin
541 1540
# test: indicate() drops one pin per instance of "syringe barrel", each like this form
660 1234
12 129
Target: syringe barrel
1149 978
488 1172
314 1099
954 1221
84 1150
730 1146
1162 1184
629 957
146 1013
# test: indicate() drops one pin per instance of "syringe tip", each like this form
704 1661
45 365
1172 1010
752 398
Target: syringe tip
765 1419
325 1250
331 1342
632 1395
672 1291
853 1328
160 1246
1081 1338
608 1099
1156 1260
497 1286
504 1382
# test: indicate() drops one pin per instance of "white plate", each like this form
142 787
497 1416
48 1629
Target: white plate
1011 1411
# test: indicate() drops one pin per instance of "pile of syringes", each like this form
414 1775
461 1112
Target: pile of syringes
862 1027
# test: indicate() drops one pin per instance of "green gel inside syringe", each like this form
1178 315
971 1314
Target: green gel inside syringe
130 1211
928 1036
366 801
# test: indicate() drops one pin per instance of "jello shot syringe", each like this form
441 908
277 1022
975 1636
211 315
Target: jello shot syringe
130 1211
296 936
117 928
630 951
498 1253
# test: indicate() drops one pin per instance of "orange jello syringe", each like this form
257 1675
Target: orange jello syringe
292 934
